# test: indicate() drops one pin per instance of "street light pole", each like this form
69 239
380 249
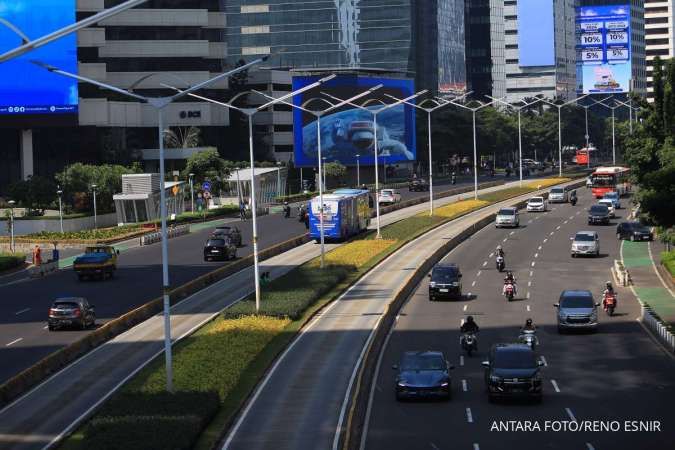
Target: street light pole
474 110
59 193
560 106
323 169
612 108
93 188
358 170
192 193
158 103
375 113
11 225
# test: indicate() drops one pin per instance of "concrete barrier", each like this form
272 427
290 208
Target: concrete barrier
661 331
156 236
43 269
620 273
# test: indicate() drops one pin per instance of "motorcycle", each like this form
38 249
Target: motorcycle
453 179
301 214
609 303
509 291
529 338
573 201
469 343
500 263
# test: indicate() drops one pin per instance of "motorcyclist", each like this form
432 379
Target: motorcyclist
453 178
500 251
510 279
529 326
573 197
469 326
287 210
608 292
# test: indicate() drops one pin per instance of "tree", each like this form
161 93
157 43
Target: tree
669 99
207 165
182 137
335 169
35 194
658 91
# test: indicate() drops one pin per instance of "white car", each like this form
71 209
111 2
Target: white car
558 195
536 204
389 196
507 217
585 243
609 203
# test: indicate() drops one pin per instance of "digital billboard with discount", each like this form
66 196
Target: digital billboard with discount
29 92
350 131
603 49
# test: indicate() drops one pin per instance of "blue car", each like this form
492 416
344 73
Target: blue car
614 197
423 375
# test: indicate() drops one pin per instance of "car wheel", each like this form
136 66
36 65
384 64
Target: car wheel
618 236
572 255
632 238
51 327
597 253
83 324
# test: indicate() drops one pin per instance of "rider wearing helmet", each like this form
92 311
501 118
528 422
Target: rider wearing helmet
608 292
529 326
500 251
510 279
609 289
469 326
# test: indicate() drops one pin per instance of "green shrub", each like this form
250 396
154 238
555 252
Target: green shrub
97 234
668 259
498 196
10 261
410 227
157 420
285 297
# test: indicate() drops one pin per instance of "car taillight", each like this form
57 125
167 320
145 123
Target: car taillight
52 311
77 312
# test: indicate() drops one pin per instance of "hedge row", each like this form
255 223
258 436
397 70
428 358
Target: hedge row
10 261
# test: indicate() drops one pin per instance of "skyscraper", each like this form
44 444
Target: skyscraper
485 65
659 35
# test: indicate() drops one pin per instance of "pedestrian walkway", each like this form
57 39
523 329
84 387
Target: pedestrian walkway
648 286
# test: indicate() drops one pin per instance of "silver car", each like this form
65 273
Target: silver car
507 217
577 311
585 243
558 195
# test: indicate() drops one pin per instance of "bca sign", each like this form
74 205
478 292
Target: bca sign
190 114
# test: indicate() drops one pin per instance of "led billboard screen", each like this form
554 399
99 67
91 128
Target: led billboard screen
603 49
27 90
349 131
536 33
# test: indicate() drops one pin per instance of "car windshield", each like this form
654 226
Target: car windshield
599 209
514 360
443 274
422 362
607 202
584 237
576 302
536 200
507 212
557 191
611 195
216 242
65 305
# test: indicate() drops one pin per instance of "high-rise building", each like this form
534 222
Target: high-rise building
485 65
540 48
659 35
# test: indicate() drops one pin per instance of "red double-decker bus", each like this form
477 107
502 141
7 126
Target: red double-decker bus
610 179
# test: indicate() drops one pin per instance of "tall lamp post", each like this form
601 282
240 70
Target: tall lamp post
629 105
612 108
560 107
60 194
520 130
249 112
435 105
191 177
11 225
474 110
358 170
587 136
158 103
93 189
278 179
375 112
318 113
323 174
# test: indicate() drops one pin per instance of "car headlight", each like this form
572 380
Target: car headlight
445 384
432 284
402 383
455 283
495 379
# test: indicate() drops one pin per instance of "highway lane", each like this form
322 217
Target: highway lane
24 339
617 374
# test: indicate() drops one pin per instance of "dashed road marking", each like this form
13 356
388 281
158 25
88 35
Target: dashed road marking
484 263
479 272
469 417
571 217
465 388
565 222
536 255
528 294
529 221
465 307
545 240
578 212
434 446
569 413
552 233
589 446
533 263
531 272
529 283
473 284
511 233
555 385
461 360
544 361
505 239
14 342
491 254
45 327
539 248
558 227
22 311
528 307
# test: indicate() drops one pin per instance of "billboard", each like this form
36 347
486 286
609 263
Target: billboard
603 49
451 47
536 33
349 131
26 90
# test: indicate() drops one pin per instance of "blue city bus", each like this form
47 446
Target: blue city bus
346 213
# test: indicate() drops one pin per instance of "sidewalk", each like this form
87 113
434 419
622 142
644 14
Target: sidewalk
647 284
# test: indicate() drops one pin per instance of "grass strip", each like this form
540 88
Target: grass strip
230 354
668 260
10 261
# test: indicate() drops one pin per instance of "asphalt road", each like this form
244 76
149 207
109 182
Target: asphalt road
618 374
24 338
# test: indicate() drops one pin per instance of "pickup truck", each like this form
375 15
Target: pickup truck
97 261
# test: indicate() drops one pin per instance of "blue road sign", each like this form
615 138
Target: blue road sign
206 186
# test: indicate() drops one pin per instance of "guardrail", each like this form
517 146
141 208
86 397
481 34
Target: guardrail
156 236
43 269
661 331
621 273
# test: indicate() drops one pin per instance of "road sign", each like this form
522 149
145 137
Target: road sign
206 186
174 190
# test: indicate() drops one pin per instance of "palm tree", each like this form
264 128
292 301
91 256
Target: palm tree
182 137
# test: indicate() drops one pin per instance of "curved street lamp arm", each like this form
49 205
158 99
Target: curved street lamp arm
150 75
24 39
299 91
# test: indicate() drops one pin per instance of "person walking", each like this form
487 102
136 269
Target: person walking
37 255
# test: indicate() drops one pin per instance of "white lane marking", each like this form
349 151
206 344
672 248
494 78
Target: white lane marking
473 283
529 221
528 307
555 385
22 311
465 388
484 263
558 227
589 446
569 413
434 446
479 272
533 263
578 212
539 248
14 342
529 283
491 254
536 255
461 322
544 361
511 233
531 272
571 217
461 360
468 294
505 239
553 209
469 417
476 446
528 294
45 327
465 307
545 240
552 233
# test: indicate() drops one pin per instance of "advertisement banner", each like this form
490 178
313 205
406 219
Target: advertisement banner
603 49
26 89
349 131
536 33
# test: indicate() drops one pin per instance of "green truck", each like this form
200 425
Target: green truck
98 261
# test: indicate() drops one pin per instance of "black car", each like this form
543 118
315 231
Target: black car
71 311
233 233
598 214
634 231
445 282
423 375
512 371
418 184
219 248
